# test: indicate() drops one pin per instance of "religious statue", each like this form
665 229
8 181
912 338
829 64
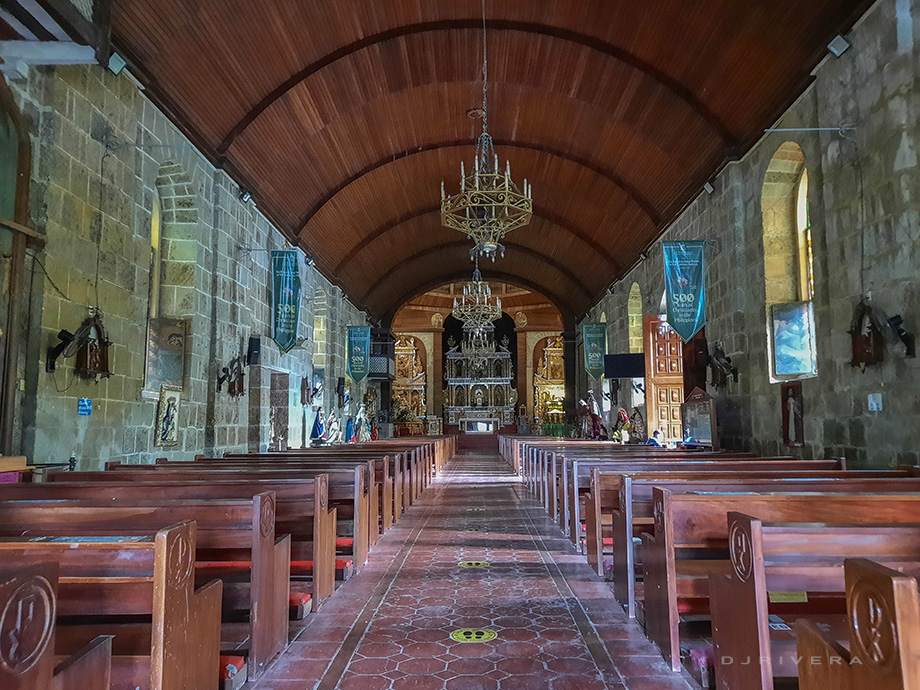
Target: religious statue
792 413
333 430
362 426
589 412
318 434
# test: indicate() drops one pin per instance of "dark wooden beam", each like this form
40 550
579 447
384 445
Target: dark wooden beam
401 264
499 276
545 214
634 195
74 24
673 86
28 20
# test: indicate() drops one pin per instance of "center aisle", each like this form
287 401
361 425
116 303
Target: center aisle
557 624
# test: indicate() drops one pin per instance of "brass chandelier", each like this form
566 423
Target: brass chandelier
490 204
476 308
478 347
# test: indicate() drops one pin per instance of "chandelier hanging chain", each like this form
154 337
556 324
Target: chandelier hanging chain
489 204
485 73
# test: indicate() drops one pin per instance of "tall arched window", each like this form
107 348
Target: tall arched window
788 266
634 319
155 273
806 255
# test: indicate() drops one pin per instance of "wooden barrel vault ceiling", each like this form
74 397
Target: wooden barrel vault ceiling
343 116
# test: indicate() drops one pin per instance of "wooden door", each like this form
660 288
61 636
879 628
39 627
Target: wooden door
664 378
278 414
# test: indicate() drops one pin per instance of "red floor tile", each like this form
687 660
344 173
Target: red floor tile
554 633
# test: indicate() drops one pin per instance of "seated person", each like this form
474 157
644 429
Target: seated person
655 439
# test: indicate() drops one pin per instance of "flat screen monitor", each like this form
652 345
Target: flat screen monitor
628 366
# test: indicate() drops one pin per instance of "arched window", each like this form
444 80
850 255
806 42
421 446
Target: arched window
803 225
789 284
634 319
153 308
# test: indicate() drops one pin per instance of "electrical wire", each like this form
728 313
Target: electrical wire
50 279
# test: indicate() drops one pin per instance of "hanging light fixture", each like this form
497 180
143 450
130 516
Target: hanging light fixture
490 204
476 308
478 345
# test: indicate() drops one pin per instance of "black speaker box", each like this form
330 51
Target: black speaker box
254 354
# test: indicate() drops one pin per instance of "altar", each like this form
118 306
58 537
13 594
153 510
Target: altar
479 393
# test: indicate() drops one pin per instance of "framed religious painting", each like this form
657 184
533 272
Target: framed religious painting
793 414
792 335
166 430
319 385
165 361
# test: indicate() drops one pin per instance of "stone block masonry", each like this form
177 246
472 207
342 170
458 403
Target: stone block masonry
102 156
863 203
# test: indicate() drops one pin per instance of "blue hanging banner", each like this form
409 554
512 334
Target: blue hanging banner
594 336
685 286
285 298
359 351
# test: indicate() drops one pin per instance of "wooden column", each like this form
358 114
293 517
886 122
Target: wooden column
437 373
523 364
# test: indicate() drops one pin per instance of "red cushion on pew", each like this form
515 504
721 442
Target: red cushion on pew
303 566
693 606
299 599
344 542
230 666
306 567
608 541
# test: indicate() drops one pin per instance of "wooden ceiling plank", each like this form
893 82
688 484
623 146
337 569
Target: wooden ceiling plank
611 51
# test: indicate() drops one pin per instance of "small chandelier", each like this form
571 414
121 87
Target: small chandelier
477 346
490 204
476 308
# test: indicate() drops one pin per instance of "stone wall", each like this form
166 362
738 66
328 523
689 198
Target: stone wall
864 197
101 154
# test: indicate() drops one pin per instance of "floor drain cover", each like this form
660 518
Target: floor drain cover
473 635
474 564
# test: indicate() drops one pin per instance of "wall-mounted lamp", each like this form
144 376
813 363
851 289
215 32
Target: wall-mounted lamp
709 188
244 195
838 46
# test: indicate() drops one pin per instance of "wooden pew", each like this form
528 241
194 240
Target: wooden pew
575 475
302 510
28 595
883 616
103 582
635 513
793 558
279 464
229 531
391 474
348 492
354 497
14 469
603 498
578 474
691 541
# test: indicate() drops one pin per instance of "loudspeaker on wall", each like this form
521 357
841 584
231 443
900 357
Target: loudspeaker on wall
254 353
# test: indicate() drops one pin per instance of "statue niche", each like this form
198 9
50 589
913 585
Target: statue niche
410 385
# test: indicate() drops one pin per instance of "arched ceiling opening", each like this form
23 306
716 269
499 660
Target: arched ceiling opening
529 309
343 116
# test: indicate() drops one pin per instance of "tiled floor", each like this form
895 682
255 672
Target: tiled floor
389 627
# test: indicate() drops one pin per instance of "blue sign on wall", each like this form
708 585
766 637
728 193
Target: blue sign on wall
84 407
